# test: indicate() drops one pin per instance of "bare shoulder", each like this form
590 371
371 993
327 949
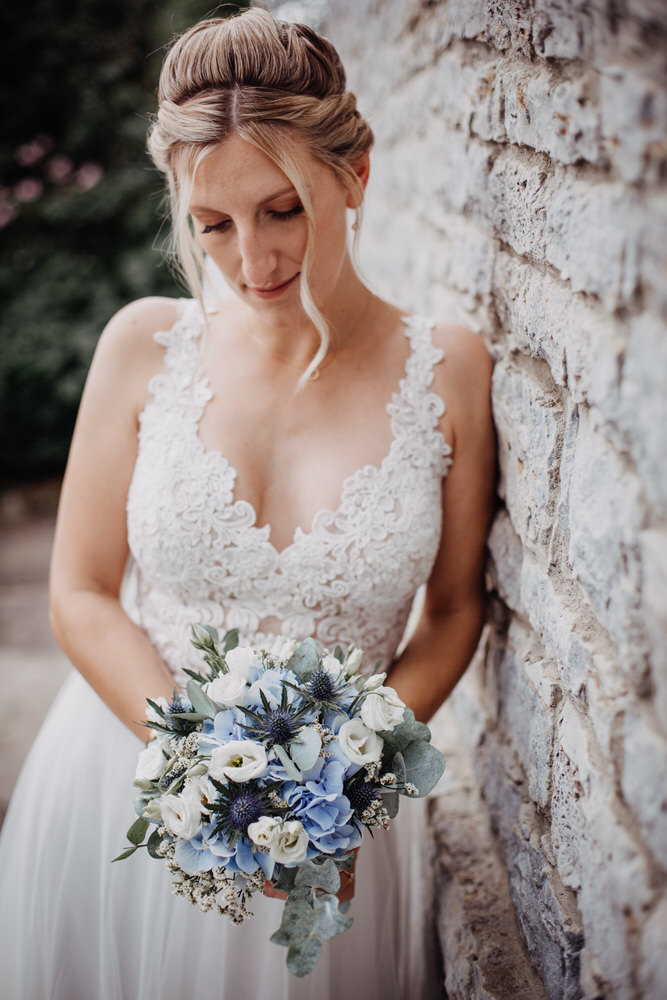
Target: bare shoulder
464 380
132 329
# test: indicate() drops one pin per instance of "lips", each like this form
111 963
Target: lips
275 290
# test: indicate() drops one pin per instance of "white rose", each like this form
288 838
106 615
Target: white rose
374 682
181 814
290 845
227 689
150 764
360 744
382 710
241 660
238 760
264 832
331 665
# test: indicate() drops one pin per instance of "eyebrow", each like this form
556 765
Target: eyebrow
265 201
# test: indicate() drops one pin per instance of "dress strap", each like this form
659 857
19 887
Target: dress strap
416 410
181 341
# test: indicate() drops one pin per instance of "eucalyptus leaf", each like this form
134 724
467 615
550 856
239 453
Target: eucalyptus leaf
137 831
319 876
126 854
305 748
390 802
305 659
192 716
285 880
153 844
421 732
398 766
297 918
423 766
291 769
396 740
200 700
302 955
230 640
329 921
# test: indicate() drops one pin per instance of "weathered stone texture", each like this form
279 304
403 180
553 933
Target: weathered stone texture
519 185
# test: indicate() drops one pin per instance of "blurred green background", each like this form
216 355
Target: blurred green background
80 204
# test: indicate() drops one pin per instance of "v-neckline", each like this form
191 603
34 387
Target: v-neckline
301 533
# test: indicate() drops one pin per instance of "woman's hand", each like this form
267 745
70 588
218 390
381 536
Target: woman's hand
344 894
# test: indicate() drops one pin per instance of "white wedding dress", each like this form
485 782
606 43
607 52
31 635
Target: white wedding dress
73 926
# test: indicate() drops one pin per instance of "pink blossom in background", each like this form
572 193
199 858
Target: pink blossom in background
88 175
59 168
7 213
29 189
32 152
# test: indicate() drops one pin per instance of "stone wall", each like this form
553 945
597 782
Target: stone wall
519 185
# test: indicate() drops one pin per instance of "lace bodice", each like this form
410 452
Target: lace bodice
197 553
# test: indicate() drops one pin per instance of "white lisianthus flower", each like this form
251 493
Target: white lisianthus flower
150 712
264 832
152 809
374 682
238 760
201 788
181 814
382 710
359 743
227 689
150 764
331 665
353 662
241 660
290 845
282 647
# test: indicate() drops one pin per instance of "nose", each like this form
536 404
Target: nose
259 258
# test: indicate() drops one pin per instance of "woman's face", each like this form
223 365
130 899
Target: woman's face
249 219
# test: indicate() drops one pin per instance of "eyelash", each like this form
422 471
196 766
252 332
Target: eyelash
220 227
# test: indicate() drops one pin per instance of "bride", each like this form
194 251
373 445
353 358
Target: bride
278 460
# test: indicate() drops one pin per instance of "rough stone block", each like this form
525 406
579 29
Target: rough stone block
605 517
596 854
593 236
653 965
644 778
519 194
528 696
643 402
504 567
529 418
633 108
653 545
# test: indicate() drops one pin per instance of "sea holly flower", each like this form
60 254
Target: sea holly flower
274 721
238 806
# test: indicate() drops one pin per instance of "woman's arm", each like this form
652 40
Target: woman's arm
90 548
448 630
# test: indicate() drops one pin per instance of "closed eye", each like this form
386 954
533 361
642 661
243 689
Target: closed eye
289 214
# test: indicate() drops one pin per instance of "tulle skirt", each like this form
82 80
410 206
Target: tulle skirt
73 926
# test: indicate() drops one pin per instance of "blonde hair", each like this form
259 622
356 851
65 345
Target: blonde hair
279 86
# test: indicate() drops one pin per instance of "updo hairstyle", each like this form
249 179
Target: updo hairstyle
272 83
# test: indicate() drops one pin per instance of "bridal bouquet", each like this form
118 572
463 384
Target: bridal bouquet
268 770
